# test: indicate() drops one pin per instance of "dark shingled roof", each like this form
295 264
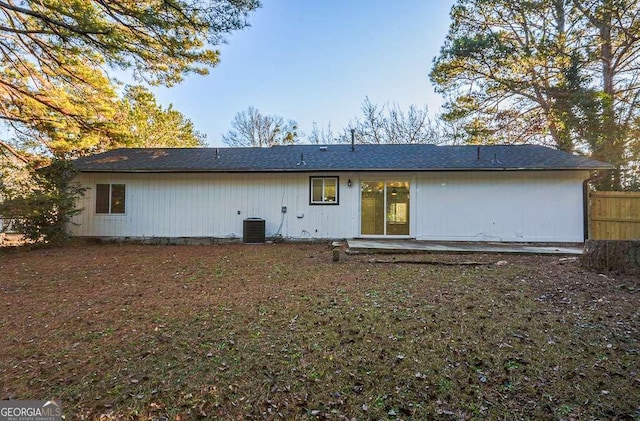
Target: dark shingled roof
305 158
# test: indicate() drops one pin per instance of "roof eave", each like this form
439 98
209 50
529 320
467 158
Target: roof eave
305 170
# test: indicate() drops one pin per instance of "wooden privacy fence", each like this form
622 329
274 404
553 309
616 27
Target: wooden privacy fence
614 215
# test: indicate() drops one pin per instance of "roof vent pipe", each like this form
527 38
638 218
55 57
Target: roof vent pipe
217 154
478 153
301 160
353 140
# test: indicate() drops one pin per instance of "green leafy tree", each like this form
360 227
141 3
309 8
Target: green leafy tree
61 119
54 88
149 125
42 204
251 128
613 36
560 72
502 66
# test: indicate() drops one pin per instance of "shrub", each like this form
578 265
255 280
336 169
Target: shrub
42 205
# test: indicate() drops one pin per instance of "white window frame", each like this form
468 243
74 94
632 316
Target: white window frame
324 200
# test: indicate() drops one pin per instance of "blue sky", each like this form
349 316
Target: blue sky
316 61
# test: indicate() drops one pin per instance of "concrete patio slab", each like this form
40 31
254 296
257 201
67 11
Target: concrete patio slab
414 246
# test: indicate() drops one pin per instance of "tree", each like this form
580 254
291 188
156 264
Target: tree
253 129
58 99
42 202
390 124
560 72
500 67
148 125
60 119
56 55
614 27
321 136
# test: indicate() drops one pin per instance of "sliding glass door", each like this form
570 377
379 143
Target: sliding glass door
384 208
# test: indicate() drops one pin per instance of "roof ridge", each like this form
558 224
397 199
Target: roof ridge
338 157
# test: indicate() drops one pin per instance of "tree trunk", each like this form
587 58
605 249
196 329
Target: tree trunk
610 150
612 255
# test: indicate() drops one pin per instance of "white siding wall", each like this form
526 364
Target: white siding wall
207 205
454 206
544 206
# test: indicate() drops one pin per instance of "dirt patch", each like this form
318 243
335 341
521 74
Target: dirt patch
281 331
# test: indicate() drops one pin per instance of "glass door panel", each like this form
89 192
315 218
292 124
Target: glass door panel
384 208
372 213
397 208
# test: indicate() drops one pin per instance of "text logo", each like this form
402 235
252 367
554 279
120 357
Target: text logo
14 410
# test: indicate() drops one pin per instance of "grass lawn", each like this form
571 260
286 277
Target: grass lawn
280 331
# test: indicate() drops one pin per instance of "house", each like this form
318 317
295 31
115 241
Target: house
523 193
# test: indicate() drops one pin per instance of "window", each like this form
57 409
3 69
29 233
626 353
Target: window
324 191
110 198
